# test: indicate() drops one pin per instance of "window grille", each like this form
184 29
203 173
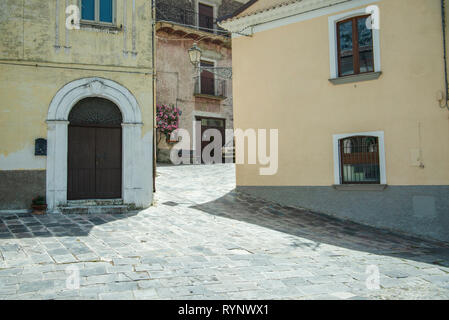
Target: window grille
359 160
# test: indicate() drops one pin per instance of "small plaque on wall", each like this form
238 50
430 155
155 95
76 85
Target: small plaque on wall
40 147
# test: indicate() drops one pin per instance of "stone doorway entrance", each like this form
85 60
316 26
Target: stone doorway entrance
94 150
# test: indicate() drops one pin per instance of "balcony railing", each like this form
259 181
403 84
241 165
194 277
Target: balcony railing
210 87
188 17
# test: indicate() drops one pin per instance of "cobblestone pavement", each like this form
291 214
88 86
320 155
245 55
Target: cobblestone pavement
202 240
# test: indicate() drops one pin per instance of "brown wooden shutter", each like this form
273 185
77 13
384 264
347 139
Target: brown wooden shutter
207 79
206 16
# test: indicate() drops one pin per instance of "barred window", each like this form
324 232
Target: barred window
359 160
207 79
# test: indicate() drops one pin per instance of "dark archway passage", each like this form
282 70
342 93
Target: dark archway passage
94 150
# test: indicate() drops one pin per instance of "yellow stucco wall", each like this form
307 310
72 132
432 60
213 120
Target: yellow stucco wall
32 70
281 81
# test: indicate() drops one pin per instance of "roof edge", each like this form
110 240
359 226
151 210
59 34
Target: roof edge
238 11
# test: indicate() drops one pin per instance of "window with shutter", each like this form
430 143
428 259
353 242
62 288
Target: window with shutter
205 17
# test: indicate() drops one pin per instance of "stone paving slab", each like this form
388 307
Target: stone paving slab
203 240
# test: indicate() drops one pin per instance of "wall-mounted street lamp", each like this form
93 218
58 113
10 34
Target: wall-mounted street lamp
195 54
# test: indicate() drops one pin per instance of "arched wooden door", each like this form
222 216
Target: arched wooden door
94 150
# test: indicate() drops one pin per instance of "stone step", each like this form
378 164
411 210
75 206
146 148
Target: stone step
114 209
94 202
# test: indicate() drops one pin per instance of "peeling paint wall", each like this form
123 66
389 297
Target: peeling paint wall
175 80
36 32
28 39
39 55
175 73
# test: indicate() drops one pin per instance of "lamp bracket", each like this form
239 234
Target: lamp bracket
221 72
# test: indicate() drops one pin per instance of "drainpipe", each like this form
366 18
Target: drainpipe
443 24
153 48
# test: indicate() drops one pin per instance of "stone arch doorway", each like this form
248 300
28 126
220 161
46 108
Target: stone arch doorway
136 154
94 150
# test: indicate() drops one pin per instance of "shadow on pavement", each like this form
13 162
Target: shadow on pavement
323 229
27 225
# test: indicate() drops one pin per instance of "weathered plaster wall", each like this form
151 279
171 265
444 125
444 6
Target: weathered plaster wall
38 56
175 79
36 32
175 73
27 183
24 107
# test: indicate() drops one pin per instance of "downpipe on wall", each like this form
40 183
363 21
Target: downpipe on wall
443 25
153 48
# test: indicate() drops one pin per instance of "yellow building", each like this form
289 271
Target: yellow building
76 102
360 107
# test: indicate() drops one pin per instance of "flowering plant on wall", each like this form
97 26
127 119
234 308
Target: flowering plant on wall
167 118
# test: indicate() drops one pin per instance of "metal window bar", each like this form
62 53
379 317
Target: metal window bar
359 160
188 17
210 86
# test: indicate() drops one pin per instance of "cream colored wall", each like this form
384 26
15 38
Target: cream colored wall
281 81
26 90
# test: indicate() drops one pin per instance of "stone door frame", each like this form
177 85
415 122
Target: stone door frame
57 135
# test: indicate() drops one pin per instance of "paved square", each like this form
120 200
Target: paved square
202 240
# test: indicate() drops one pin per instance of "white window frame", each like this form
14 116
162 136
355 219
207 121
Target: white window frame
97 13
333 43
337 155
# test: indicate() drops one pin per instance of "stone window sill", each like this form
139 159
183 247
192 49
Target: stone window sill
209 96
360 187
100 26
356 78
